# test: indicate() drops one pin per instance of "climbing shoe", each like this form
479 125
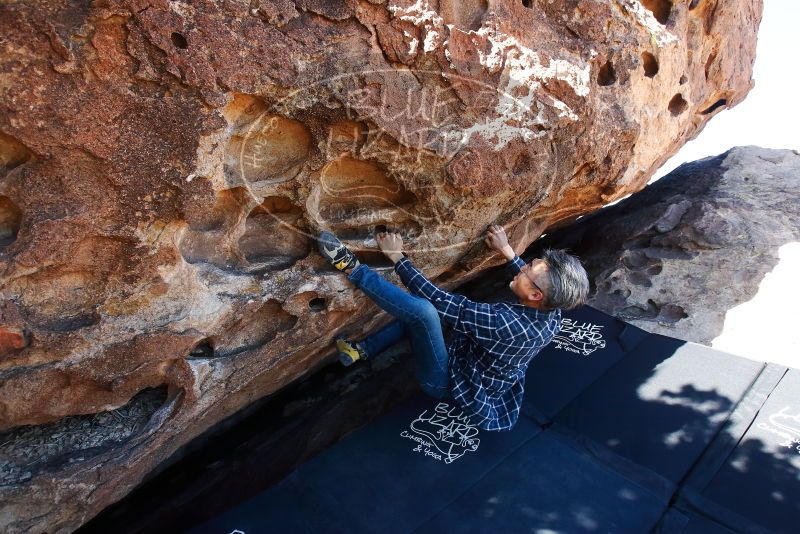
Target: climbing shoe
336 252
349 351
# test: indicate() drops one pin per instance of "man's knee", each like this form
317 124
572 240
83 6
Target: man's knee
426 313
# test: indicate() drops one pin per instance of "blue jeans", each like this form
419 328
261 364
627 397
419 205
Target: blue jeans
416 318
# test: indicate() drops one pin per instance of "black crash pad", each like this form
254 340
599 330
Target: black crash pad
590 342
552 484
749 477
609 381
606 441
389 476
662 403
405 473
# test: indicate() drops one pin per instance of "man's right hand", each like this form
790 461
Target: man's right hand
391 244
496 240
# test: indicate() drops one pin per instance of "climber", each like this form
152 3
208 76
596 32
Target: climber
483 367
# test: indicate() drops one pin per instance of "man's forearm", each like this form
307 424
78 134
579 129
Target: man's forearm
508 252
415 281
394 256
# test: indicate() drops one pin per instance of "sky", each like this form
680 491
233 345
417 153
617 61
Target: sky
770 114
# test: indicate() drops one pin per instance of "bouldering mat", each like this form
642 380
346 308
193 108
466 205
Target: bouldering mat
551 485
647 436
662 403
748 479
391 475
589 343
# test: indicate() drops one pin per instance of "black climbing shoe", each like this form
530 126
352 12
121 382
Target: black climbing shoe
349 351
336 252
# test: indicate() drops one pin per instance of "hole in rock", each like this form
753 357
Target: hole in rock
204 349
254 329
654 269
640 279
637 312
275 236
179 40
660 9
522 164
407 229
264 146
606 75
634 259
374 258
636 242
683 80
716 105
711 15
353 188
211 247
693 4
586 170
280 205
28 450
73 291
68 322
527 3
677 105
243 111
650 64
346 136
227 208
709 62
317 304
463 13
12 154
672 313
10 220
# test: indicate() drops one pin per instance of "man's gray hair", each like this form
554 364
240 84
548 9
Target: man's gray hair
568 283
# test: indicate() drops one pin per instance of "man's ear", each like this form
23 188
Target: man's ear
535 295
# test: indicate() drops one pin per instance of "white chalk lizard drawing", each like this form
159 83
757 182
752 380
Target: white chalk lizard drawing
786 422
583 338
448 430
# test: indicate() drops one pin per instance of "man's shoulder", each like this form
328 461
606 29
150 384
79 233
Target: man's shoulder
523 325
531 314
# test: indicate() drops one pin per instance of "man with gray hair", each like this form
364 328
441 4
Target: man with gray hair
483 367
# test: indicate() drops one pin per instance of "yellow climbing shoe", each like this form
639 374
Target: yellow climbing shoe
336 252
349 352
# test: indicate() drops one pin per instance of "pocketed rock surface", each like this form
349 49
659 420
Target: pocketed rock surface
165 165
676 257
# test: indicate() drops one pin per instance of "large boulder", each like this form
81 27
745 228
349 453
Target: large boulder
749 187
164 167
678 256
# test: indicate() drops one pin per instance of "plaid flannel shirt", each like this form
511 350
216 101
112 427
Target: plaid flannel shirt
491 347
